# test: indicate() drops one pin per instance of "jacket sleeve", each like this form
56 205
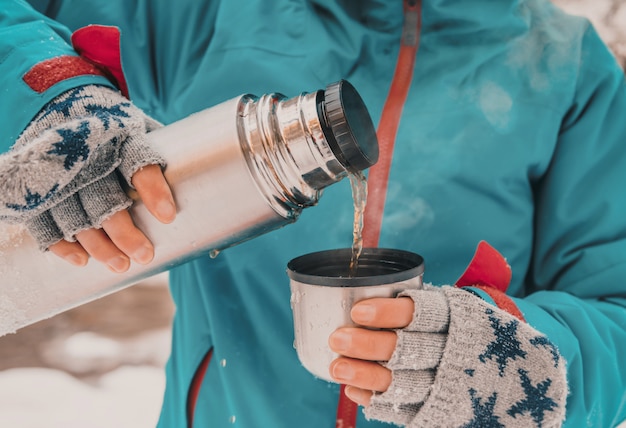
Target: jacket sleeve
579 263
37 63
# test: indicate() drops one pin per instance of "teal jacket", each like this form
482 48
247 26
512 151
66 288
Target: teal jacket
513 132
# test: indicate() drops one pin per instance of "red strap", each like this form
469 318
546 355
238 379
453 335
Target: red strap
488 268
346 410
47 73
490 272
379 174
100 45
502 301
194 388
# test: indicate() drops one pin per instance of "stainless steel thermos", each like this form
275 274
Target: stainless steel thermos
239 169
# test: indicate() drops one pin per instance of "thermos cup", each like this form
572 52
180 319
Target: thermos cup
323 291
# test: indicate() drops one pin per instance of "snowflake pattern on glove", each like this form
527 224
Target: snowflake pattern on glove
494 371
73 145
536 402
544 342
483 412
83 141
80 131
33 200
506 345
63 104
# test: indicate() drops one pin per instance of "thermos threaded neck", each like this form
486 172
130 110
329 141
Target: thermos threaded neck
295 147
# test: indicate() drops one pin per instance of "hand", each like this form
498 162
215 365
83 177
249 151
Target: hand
453 360
64 178
120 241
361 348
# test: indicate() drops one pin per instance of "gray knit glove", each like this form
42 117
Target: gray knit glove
63 175
465 363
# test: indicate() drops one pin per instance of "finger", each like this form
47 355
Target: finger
101 248
362 374
155 193
72 252
381 312
122 232
363 344
359 396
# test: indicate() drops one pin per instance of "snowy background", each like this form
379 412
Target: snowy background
101 365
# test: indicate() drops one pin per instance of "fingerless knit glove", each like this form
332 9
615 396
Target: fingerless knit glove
63 174
465 363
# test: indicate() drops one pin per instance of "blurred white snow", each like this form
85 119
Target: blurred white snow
127 397
96 366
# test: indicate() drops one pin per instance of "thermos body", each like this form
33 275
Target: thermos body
238 170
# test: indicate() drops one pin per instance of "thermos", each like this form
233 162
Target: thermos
238 170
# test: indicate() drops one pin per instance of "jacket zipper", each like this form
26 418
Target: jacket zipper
378 175
194 387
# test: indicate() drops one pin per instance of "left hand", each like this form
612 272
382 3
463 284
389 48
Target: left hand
452 360
361 348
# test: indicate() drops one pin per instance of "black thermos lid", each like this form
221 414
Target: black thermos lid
348 126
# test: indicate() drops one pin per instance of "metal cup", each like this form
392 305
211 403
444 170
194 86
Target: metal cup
323 292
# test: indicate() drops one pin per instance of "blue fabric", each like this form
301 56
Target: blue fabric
27 38
513 132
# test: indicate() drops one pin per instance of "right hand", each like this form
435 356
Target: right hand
120 241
